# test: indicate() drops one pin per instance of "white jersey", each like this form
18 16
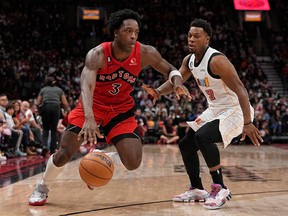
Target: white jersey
223 103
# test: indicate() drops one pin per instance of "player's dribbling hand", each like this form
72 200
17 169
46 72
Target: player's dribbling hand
253 133
90 131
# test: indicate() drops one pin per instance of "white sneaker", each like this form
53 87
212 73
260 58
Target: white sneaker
39 196
191 195
217 197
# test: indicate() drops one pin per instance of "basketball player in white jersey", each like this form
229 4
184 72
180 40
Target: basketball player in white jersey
229 114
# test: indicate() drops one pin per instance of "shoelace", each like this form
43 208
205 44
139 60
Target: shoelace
214 192
37 194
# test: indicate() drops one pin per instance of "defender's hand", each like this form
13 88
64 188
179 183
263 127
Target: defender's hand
153 92
253 133
182 90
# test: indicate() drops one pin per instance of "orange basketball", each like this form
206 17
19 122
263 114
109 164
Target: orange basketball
96 169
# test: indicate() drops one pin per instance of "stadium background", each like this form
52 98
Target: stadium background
40 38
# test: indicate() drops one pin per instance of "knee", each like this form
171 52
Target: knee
200 138
184 143
132 164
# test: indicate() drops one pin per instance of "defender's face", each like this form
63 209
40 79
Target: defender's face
197 39
127 35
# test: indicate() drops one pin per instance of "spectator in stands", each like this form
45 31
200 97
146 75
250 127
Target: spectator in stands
153 131
168 133
19 134
265 132
16 136
3 103
2 143
32 124
284 120
181 122
21 122
141 121
5 135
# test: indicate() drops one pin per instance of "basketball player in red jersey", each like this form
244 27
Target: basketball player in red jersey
229 114
107 80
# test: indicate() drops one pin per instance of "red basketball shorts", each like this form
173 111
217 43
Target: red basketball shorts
113 123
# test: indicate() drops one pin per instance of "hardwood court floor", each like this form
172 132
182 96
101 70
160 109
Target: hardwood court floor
256 176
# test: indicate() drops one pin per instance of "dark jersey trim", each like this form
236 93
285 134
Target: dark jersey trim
189 61
73 128
208 66
114 121
196 64
135 134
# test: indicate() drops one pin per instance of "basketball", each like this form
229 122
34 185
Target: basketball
96 169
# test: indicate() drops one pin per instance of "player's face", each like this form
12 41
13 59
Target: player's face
127 35
197 39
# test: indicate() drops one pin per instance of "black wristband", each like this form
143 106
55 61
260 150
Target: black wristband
248 123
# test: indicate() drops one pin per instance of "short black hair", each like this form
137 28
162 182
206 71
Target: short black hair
116 19
9 106
49 81
201 23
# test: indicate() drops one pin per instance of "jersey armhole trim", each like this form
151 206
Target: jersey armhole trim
208 66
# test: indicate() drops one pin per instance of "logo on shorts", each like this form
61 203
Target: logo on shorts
198 121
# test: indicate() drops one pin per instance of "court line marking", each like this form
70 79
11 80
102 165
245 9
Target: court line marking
160 201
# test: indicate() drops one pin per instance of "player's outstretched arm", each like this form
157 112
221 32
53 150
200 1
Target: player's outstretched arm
93 62
175 77
222 67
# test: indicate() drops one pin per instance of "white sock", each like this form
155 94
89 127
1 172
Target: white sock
114 157
51 172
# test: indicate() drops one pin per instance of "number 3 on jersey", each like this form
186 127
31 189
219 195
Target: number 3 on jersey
116 88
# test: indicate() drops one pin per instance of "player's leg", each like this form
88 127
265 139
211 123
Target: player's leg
68 146
206 137
130 151
122 131
188 149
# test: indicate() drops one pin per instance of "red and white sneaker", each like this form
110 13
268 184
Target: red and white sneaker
217 197
39 196
193 194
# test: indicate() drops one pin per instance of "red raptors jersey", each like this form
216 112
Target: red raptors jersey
115 81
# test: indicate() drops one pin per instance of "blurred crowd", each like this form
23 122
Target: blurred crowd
38 39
